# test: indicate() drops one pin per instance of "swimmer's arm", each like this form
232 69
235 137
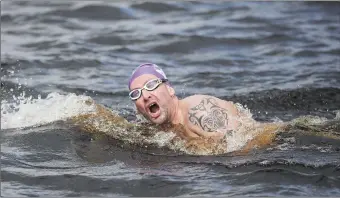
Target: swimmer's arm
213 117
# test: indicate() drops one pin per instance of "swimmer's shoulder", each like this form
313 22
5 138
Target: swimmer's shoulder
196 99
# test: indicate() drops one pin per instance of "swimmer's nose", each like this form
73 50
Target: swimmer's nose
146 94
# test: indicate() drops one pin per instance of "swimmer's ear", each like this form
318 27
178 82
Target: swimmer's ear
171 90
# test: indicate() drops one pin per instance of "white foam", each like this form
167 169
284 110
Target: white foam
237 139
309 120
337 116
26 111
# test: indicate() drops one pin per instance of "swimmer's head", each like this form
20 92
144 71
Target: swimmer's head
151 93
147 68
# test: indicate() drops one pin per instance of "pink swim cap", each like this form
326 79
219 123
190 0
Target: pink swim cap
147 68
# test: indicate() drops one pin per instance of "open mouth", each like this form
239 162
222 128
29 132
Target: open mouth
154 110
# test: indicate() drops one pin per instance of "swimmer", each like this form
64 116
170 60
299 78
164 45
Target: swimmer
209 124
199 115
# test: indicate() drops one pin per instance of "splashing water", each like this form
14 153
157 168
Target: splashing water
337 116
27 111
97 119
104 121
248 130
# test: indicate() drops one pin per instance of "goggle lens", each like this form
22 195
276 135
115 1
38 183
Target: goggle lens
135 94
152 84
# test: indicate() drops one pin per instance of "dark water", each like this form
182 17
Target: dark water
280 59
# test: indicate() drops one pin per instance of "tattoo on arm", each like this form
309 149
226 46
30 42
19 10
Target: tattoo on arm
209 116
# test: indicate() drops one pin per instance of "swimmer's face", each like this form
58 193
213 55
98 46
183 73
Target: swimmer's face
153 105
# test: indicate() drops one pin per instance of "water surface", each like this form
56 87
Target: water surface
279 59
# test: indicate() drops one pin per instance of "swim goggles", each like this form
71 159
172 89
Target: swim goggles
149 86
